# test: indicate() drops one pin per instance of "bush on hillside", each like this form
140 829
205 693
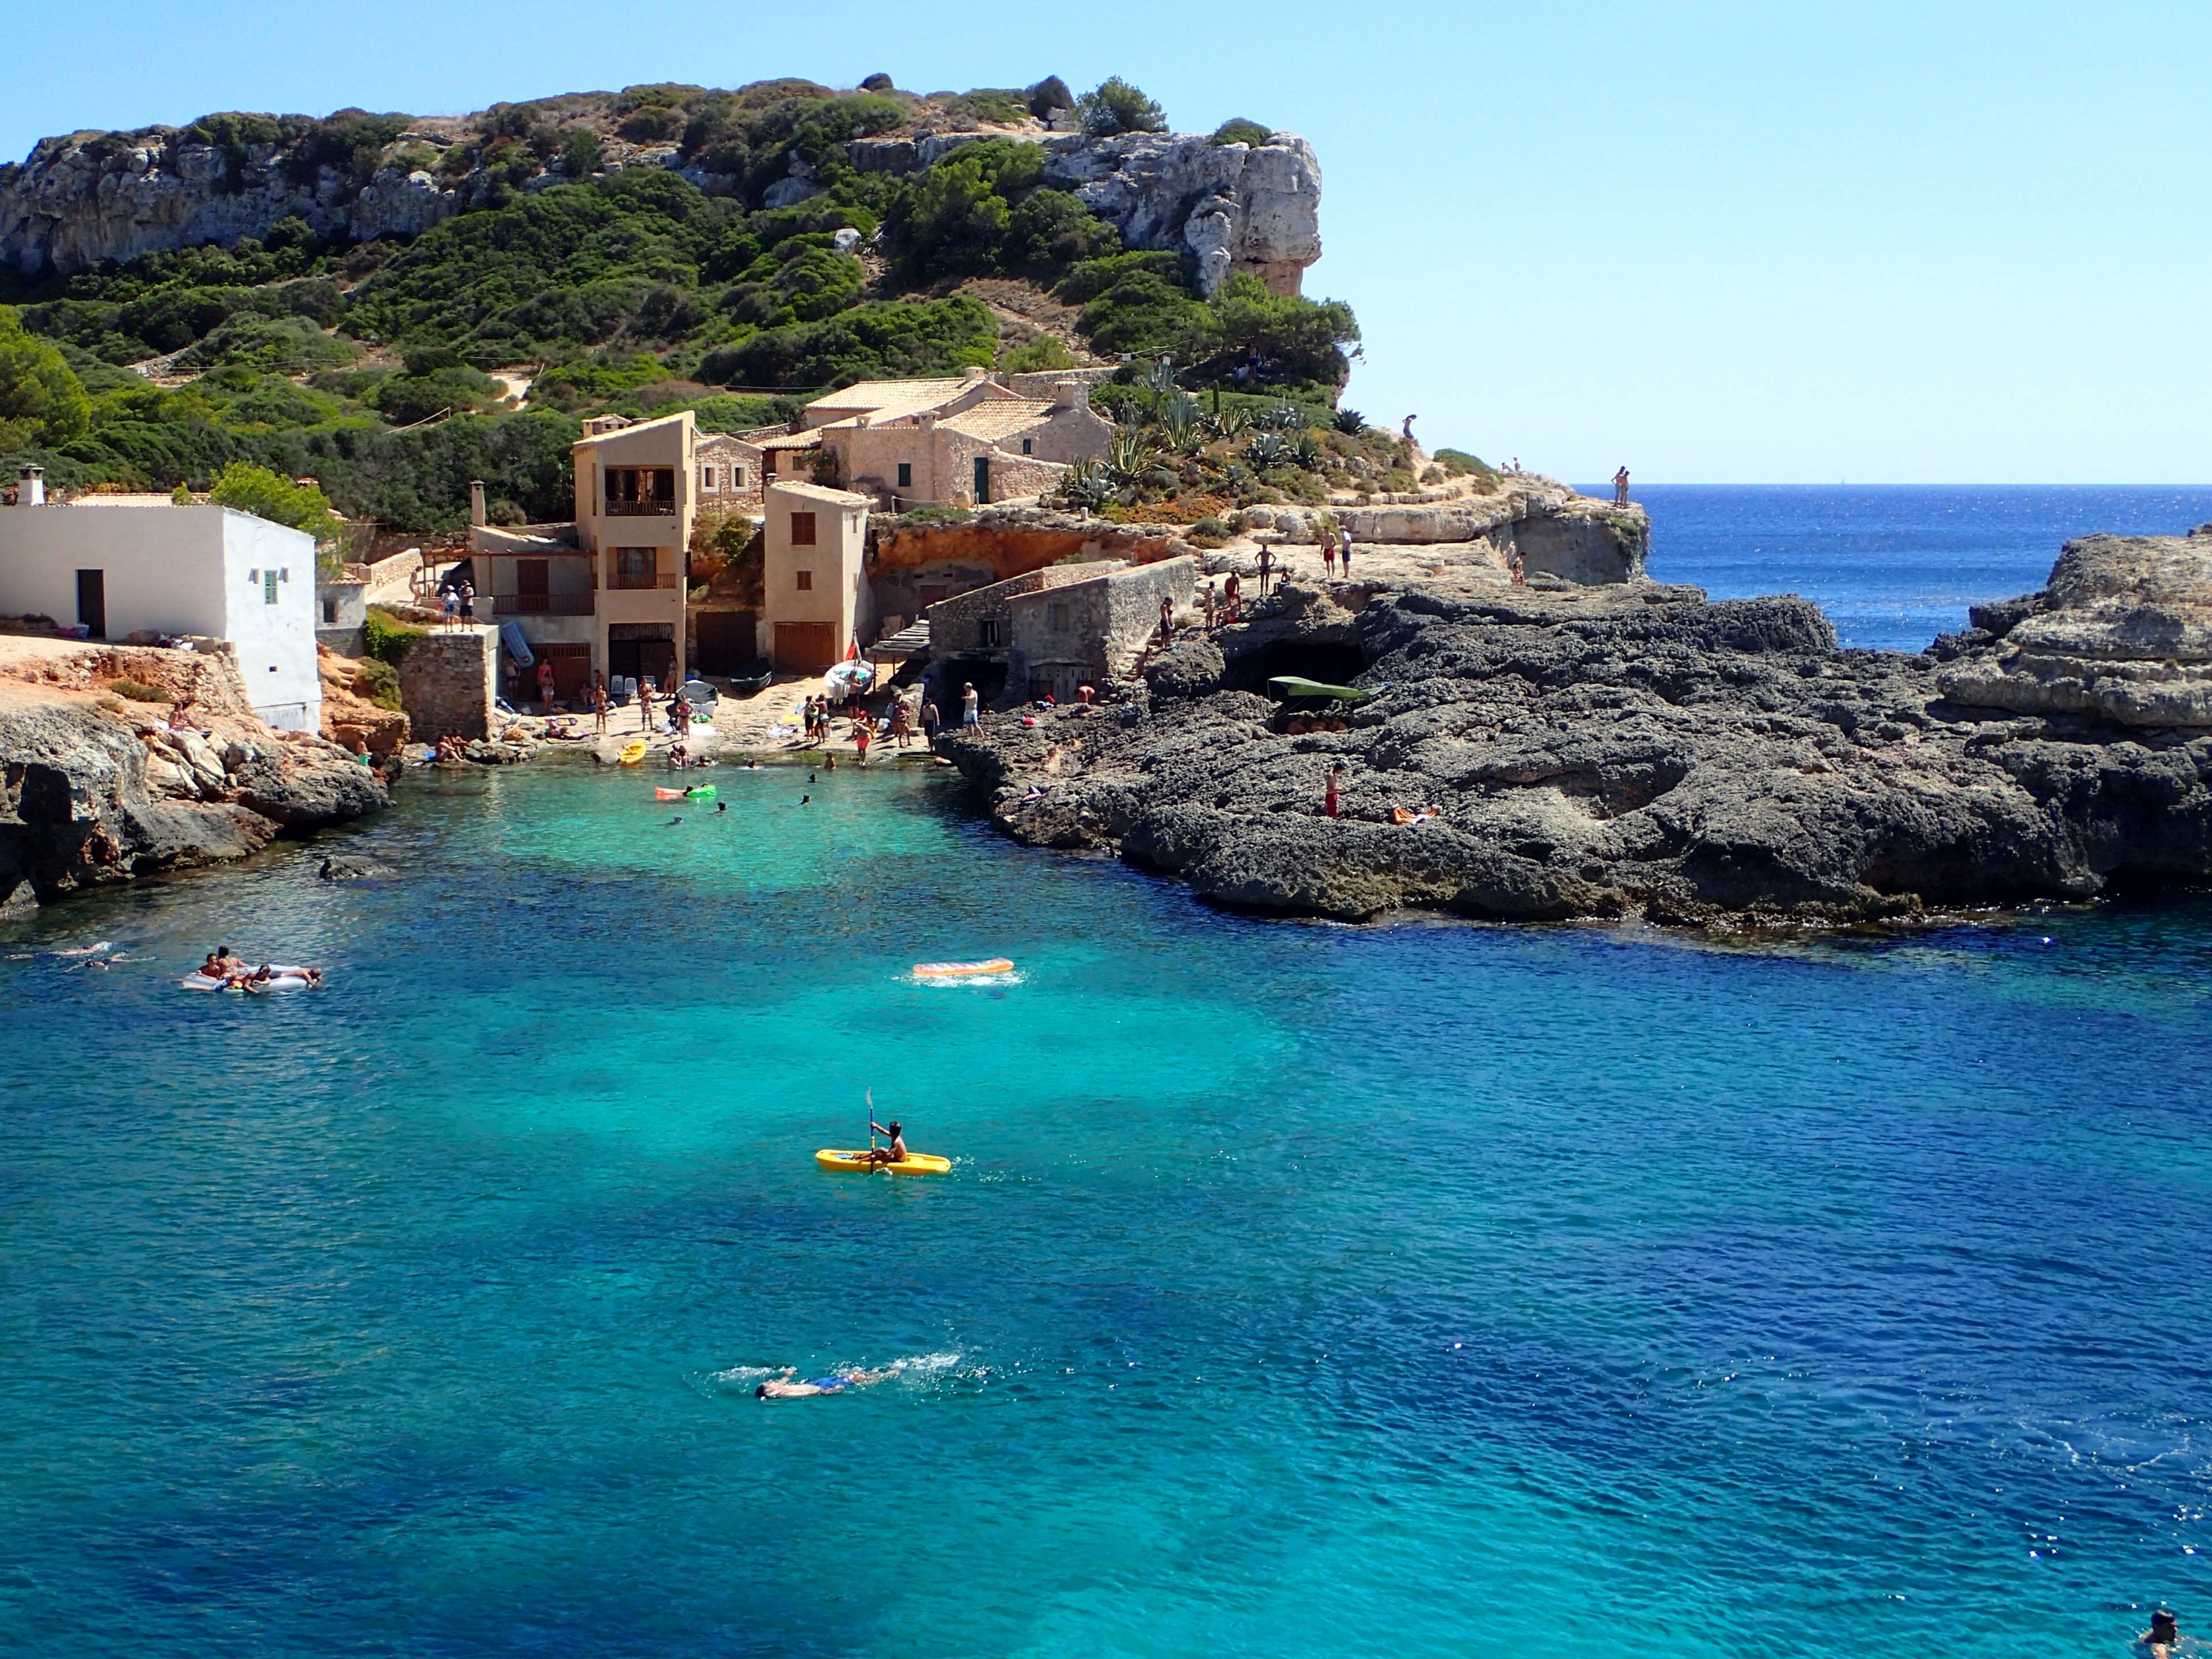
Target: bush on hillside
41 399
1238 131
872 342
256 489
1115 106
386 638
377 680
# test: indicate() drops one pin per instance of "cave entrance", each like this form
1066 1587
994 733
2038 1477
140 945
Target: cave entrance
1332 663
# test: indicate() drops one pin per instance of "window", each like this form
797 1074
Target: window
268 587
802 530
805 581
640 491
906 475
767 465
329 613
1060 617
1029 446
636 567
987 631
706 478
737 477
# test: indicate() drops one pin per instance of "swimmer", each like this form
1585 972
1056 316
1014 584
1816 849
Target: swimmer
673 822
2163 1636
805 800
752 766
782 1388
722 807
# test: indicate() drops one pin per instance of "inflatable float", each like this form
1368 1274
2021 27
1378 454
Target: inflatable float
704 791
280 979
632 752
962 969
864 1163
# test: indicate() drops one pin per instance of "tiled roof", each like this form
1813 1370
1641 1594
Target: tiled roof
794 440
1002 418
889 398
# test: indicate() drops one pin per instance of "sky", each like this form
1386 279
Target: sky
1715 243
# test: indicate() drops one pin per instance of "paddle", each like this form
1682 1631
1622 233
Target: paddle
872 1164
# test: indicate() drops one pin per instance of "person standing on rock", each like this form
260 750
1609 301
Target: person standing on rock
1328 550
1267 567
1167 622
930 722
1408 430
1212 602
1344 554
1329 800
1620 487
970 704
599 704
1232 595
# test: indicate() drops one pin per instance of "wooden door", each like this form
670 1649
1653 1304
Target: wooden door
572 671
727 641
982 481
806 648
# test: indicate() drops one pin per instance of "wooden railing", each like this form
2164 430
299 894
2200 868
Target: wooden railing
545 605
656 508
665 579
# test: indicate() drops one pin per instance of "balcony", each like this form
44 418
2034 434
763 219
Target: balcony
654 507
545 605
635 582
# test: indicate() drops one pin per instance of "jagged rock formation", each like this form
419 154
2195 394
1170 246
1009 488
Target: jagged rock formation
2122 633
90 197
1623 751
94 790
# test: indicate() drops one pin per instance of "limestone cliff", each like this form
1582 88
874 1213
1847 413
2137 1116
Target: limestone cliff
88 197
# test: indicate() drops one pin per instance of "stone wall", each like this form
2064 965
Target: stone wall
447 681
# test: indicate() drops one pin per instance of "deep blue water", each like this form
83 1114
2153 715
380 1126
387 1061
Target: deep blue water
1298 1290
1892 565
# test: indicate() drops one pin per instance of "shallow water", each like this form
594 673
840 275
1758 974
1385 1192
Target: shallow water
1299 1288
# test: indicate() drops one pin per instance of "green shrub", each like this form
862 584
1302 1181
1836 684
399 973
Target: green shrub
279 345
139 691
1046 351
256 489
883 341
1458 464
1115 106
1209 532
379 680
41 399
1238 131
388 638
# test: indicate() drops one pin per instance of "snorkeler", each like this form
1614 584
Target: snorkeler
782 1388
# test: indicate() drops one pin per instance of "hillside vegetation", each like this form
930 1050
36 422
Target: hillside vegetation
637 252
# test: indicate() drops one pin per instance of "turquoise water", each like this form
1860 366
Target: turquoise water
1298 1290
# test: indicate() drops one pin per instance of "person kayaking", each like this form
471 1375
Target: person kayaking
893 1153
782 1388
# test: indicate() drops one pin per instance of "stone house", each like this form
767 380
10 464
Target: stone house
945 442
1070 634
730 469
115 569
815 604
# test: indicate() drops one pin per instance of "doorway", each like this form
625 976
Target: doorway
642 651
92 602
982 481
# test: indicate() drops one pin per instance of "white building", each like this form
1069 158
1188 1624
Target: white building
123 568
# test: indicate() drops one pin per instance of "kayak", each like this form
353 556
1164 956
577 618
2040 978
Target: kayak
632 752
1292 689
859 1164
962 969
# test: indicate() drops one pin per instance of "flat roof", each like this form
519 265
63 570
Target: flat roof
819 493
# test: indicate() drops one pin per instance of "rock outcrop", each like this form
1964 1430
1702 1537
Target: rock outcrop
1624 750
90 197
95 789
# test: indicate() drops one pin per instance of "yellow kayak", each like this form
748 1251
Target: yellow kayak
632 752
859 1162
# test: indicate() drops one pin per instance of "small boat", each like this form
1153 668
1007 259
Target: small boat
1292 688
864 1164
632 752
962 969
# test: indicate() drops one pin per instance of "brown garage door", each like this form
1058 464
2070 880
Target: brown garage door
726 642
806 648
572 671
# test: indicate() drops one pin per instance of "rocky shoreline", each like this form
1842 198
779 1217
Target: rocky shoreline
1635 751
97 788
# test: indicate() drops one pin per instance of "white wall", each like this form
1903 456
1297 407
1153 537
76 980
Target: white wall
178 570
276 643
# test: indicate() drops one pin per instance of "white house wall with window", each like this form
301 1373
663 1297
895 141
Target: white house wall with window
154 567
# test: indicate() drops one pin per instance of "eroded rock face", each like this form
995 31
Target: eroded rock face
82 199
1233 207
1614 751
2122 633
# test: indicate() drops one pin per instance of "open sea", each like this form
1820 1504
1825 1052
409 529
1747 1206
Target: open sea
1297 1290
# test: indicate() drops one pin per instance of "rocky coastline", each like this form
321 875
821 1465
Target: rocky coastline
97 788
1635 751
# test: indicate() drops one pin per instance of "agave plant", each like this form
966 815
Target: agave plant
1230 422
1128 454
1282 417
1351 422
1305 452
1267 449
1085 487
1160 380
1179 420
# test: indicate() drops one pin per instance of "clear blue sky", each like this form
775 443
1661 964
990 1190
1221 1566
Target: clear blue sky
1724 242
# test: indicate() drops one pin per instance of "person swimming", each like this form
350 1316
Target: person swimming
782 1388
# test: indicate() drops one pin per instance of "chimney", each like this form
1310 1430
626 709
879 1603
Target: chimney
975 372
477 503
1070 394
34 492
